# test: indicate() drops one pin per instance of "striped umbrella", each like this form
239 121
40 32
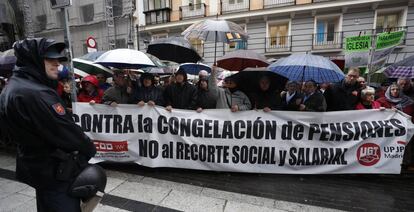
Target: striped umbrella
401 69
304 67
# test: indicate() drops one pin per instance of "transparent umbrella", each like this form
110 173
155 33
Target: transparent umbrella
215 30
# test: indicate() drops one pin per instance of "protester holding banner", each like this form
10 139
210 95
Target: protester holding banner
147 92
291 98
343 95
313 100
90 91
120 93
395 98
229 96
180 94
367 99
205 98
266 98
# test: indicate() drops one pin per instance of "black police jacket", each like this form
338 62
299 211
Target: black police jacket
33 116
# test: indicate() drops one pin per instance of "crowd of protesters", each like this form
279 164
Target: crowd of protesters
177 92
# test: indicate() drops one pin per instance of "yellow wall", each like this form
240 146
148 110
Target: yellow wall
256 5
175 13
303 1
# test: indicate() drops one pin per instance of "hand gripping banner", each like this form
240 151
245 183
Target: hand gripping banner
362 141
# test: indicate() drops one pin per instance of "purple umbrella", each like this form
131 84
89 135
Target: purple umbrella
401 69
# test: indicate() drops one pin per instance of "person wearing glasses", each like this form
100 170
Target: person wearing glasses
343 95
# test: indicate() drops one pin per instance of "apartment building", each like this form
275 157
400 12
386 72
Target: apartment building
278 28
86 18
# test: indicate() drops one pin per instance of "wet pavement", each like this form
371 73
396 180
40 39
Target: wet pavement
135 188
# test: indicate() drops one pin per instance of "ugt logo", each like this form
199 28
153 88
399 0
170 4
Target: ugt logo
368 154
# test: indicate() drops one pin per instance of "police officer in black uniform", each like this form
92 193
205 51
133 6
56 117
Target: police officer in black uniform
33 116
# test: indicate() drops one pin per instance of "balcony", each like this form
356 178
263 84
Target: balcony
157 16
330 40
278 44
193 11
278 3
234 6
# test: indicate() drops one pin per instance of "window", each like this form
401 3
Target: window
237 44
195 4
87 13
117 7
278 34
120 43
159 36
326 29
390 19
198 46
41 22
328 32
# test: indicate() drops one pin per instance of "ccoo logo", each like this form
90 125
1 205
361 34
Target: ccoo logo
368 154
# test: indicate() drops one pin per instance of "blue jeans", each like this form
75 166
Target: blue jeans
56 201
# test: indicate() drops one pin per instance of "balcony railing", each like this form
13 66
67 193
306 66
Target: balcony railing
232 6
152 5
193 11
316 1
157 16
278 3
330 40
278 44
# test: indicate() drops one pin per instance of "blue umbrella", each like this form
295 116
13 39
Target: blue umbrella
194 68
304 67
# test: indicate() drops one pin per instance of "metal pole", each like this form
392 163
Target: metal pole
371 56
69 52
136 26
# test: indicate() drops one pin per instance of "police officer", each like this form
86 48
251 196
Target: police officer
33 116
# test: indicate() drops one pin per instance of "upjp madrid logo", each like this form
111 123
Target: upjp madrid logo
368 154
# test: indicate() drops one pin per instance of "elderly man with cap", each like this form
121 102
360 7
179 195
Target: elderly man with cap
33 116
180 94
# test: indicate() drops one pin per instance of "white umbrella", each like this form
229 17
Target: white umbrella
216 30
125 59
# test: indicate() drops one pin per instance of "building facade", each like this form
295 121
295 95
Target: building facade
278 28
87 18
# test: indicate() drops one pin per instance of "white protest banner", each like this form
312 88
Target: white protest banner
363 141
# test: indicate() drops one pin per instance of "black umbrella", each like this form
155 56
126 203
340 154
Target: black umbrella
248 79
176 49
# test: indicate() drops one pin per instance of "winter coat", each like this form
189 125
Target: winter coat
181 96
33 116
291 105
116 94
146 94
340 97
226 99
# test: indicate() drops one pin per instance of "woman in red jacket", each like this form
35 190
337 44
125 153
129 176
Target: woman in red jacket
90 91
394 98
366 101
